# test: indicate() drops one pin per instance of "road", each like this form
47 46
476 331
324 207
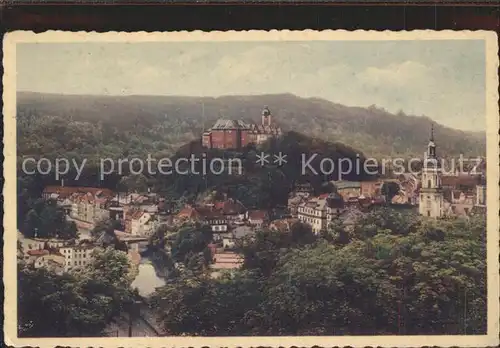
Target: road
142 326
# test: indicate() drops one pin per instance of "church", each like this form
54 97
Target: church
437 198
236 134
431 202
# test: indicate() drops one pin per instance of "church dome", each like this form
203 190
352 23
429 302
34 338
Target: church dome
266 111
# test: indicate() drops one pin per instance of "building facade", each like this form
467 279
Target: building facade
235 134
76 256
319 211
431 193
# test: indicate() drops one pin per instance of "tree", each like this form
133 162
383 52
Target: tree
106 226
134 183
46 219
396 274
51 305
263 251
191 240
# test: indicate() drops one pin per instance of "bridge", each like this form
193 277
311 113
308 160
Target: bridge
129 238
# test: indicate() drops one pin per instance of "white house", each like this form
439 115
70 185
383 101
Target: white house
319 211
76 256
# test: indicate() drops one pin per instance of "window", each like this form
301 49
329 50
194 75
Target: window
428 213
428 183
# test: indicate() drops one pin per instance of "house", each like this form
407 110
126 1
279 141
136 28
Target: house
481 195
283 225
138 221
371 188
319 211
63 192
229 239
348 189
231 209
187 214
463 182
293 203
30 256
77 256
219 225
53 262
257 218
90 207
44 243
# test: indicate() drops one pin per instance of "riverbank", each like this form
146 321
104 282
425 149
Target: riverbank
160 260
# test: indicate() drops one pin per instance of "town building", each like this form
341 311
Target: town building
293 204
319 211
257 218
348 189
481 195
62 192
53 262
431 191
371 188
230 239
235 134
90 207
143 224
77 256
408 190
283 225
231 209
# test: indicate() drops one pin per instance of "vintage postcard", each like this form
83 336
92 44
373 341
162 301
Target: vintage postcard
260 188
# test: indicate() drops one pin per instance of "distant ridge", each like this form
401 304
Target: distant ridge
372 130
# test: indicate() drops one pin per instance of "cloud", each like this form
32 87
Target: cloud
396 74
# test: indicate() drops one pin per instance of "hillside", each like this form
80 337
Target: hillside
258 186
160 124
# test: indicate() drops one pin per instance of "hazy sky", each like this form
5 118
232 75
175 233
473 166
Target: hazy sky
444 80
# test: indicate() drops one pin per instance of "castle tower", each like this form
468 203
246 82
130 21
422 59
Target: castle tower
431 195
266 117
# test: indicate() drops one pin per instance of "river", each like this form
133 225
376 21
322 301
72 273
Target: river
147 280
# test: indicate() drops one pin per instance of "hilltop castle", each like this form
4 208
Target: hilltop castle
235 134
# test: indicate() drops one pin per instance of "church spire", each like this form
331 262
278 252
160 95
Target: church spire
431 148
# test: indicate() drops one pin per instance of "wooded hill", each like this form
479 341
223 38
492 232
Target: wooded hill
117 126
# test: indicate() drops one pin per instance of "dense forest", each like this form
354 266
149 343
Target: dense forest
391 273
108 126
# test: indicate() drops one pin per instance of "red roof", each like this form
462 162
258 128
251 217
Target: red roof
38 252
188 212
257 215
463 180
230 207
66 191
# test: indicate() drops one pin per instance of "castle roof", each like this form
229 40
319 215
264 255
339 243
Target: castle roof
222 124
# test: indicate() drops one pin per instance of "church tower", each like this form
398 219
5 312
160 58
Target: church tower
431 195
266 117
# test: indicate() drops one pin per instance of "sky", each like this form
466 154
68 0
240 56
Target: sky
444 80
